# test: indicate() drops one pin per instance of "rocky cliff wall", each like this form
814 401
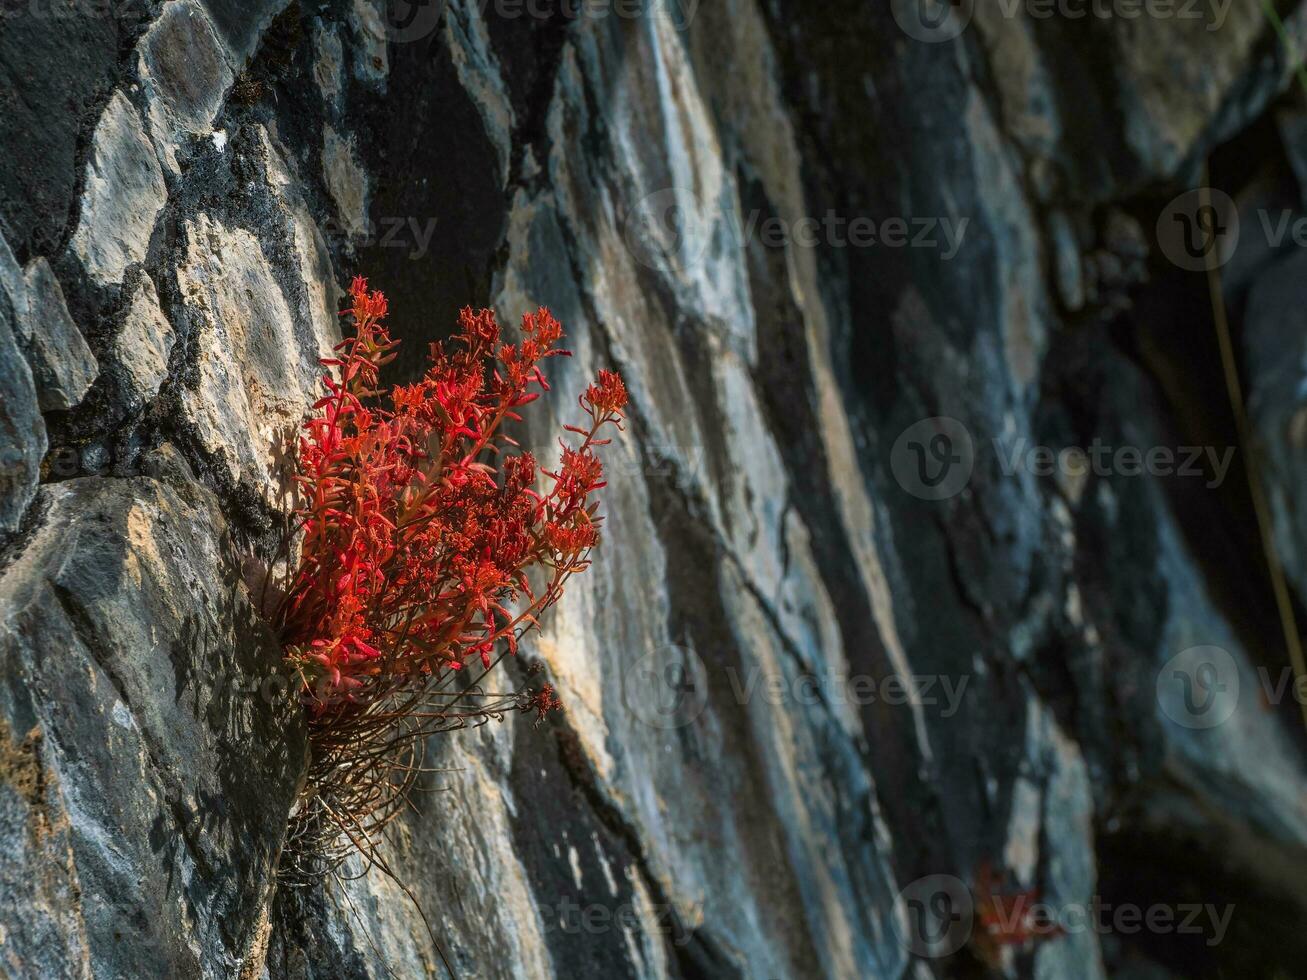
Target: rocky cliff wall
798 230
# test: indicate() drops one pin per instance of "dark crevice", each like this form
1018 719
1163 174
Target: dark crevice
1171 335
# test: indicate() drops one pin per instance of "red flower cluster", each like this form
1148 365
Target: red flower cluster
1007 918
419 527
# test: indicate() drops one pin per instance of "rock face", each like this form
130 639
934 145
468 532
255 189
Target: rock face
125 192
144 782
56 350
929 549
22 430
145 341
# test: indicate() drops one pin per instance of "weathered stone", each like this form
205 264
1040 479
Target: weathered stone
1275 346
243 22
22 429
793 688
318 303
59 63
256 376
1183 81
139 757
480 74
184 68
144 341
1066 251
124 194
44 935
346 181
328 62
12 285
62 364
371 52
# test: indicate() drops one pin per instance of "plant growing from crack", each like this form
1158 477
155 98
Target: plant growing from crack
424 544
1008 918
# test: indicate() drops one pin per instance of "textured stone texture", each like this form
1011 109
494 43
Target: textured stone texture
62 364
22 430
144 784
763 549
184 68
1277 358
145 341
254 380
346 182
124 194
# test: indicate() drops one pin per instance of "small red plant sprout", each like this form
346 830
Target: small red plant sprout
420 527
1008 918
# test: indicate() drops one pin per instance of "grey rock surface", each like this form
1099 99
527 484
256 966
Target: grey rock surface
805 675
145 341
124 194
185 68
145 781
1277 358
62 364
22 430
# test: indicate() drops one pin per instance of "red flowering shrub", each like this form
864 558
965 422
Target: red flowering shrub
419 529
1007 917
